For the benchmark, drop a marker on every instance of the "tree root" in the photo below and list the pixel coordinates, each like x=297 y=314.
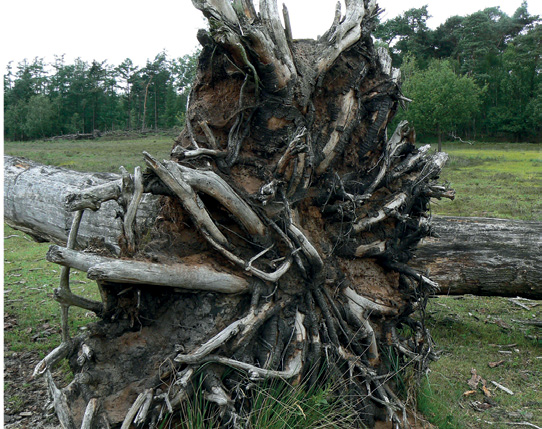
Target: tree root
x=338 y=333
x=324 y=327
x=281 y=249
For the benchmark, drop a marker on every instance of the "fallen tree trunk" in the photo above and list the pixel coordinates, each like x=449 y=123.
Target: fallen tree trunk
x=483 y=256
x=77 y=136
x=478 y=256
x=36 y=196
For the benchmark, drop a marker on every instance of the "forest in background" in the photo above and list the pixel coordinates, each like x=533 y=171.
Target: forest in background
x=474 y=77
x=43 y=100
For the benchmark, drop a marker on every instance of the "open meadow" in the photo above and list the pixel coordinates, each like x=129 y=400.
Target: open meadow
x=479 y=334
x=502 y=180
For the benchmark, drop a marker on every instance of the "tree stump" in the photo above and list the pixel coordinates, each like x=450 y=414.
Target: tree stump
x=287 y=219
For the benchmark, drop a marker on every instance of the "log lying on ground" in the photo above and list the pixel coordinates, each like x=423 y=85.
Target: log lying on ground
x=478 y=256
x=36 y=201
x=484 y=256
x=78 y=136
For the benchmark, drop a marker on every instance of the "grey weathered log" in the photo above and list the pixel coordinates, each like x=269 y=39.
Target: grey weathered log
x=484 y=256
x=35 y=199
x=480 y=256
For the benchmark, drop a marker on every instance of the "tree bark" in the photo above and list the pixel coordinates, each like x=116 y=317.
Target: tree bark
x=478 y=256
x=482 y=256
x=36 y=199
x=284 y=185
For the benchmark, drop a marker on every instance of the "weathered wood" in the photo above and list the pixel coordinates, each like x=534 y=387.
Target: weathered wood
x=56 y=356
x=81 y=261
x=64 y=288
x=484 y=256
x=213 y=185
x=292 y=367
x=60 y=403
x=382 y=214
x=185 y=276
x=77 y=136
x=170 y=175
x=35 y=198
x=90 y=414
x=219 y=339
x=178 y=275
x=343 y=33
x=132 y=413
x=92 y=198
x=134 y=199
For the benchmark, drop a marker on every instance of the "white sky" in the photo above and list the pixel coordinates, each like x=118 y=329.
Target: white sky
x=113 y=30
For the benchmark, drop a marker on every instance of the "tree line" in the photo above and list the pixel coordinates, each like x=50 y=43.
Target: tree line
x=475 y=77
x=43 y=100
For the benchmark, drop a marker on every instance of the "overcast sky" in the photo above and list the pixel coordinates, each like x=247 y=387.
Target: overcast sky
x=113 y=30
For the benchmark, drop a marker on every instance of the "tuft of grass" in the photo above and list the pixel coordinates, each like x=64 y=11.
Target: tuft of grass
x=278 y=404
x=15 y=403
x=197 y=412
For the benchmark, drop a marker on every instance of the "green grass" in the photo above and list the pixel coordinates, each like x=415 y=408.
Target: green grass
x=280 y=405
x=32 y=316
x=93 y=155
x=276 y=404
x=493 y=180
x=471 y=332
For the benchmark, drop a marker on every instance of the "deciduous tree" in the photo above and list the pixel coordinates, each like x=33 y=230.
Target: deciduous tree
x=442 y=99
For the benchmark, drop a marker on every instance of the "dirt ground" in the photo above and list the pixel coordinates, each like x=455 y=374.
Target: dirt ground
x=25 y=399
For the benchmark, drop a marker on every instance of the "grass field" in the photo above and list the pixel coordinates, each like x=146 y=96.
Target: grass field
x=472 y=333
x=501 y=180
x=494 y=180
x=93 y=155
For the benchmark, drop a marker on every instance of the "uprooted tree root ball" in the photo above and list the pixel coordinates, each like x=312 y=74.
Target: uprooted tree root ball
x=280 y=249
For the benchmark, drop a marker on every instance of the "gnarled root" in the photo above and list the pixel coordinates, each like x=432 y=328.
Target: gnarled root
x=321 y=329
x=346 y=342
x=281 y=248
